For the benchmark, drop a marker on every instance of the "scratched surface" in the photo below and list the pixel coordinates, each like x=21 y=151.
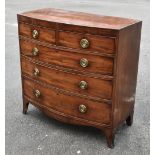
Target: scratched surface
x=36 y=134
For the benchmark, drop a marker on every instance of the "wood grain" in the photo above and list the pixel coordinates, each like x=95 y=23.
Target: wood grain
x=44 y=34
x=79 y=18
x=70 y=82
x=126 y=71
x=111 y=75
x=97 y=64
x=97 y=43
x=97 y=112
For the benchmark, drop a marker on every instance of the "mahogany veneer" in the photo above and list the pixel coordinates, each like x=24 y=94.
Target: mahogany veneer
x=80 y=68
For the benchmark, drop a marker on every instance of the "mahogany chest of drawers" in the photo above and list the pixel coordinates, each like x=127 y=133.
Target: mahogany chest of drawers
x=80 y=68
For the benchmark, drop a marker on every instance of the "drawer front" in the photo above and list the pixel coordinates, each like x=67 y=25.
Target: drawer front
x=70 y=105
x=76 y=61
x=37 y=33
x=87 y=42
x=68 y=81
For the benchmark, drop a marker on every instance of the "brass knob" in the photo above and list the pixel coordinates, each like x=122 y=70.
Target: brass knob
x=84 y=62
x=37 y=93
x=35 y=34
x=36 y=72
x=82 y=108
x=84 y=43
x=83 y=85
x=35 y=51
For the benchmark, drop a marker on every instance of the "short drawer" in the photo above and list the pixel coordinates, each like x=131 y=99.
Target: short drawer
x=76 y=83
x=87 y=42
x=69 y=105
x=37 y=33
x=76 y=61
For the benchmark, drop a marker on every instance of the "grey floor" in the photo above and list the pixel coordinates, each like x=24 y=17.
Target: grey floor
x=36 y=134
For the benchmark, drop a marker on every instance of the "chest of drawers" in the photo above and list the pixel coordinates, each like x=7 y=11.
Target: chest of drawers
x=80 y=68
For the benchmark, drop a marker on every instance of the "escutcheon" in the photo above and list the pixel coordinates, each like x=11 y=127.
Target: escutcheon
x=35 y=34
x=84 y=43
x=83 y=84
x=37 y=93
x=36 y=72
x=82 y=108
x=35 y=51
x=84 y=62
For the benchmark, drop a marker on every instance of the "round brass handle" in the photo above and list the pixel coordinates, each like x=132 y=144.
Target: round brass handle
x=35 y=51
x=84 y=62
x=84 y=43
x=82 y=108
x=35 y=34
x=36 y=72
x=83 y=85
x=37 y=93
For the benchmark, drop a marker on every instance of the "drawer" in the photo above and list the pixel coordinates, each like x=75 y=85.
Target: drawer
x=87 y=42
x=80 y=83
x=69 y=105
x=76 y=61
x=37 y=33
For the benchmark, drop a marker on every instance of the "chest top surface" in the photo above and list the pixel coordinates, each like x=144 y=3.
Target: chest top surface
x=79 y=18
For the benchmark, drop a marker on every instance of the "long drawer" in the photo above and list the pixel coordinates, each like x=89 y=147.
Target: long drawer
x=70 y=105
x=76 y=61
x=80 y=83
